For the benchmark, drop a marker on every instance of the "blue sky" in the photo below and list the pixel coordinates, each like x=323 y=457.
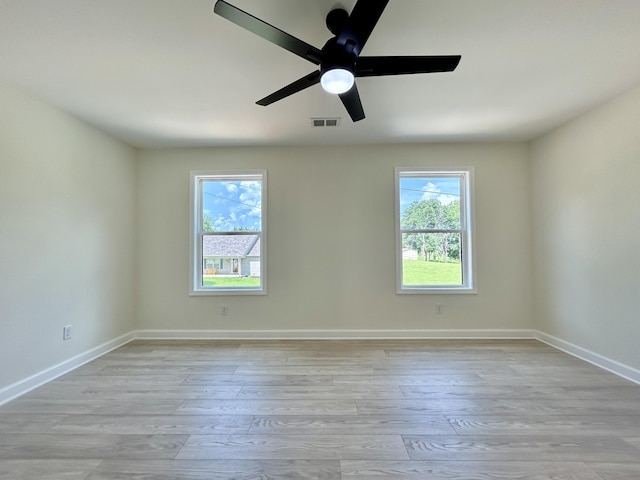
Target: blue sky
x=446 y=190
x=237 y=204
x=233 y=204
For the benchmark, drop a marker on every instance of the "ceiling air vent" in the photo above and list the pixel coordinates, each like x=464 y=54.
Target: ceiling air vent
x=325 y=122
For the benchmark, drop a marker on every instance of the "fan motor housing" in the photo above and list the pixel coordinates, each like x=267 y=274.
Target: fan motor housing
x=337 y=56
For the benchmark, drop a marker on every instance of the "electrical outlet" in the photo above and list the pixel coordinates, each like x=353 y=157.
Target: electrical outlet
x=66 y=332
x=224 y=310
x=439 y=309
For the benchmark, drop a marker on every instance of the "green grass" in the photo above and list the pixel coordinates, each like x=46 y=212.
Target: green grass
x=221 y=281
x=415 y=272
x=418 y=272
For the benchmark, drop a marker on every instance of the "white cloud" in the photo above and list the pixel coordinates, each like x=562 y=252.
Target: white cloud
x=431 y=191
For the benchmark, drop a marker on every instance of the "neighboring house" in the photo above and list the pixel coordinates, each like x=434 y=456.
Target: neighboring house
x=409 y=254
x=231 y=255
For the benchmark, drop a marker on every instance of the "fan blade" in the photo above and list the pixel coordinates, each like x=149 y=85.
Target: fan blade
x=361 y=22
x=351 y=101
x=268 y=32
x=378 y=66
x=295 y=87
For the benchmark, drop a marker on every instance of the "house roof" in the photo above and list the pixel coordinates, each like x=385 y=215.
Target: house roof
x=231 y=246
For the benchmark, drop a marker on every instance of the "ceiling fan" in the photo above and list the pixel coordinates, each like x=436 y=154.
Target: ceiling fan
x=339 y=60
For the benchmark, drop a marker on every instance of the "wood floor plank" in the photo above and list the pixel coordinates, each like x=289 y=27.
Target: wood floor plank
x=563 y=380
x=595 y=392
x=11 y=423
x=165 y=369
x=468 y=378
x=119 y=380
x=267 y=407
x=546 y=368
x=427 y=368
x=482 y=391
x=75 y=406
x=154 y=424
x=492 y=406
x=405 y=378
x=608 y=425
x=258 y=380
x=350 y=425
x=197 y=361
x=137 y=392
x=218 y=470
x=421 y=470
x=60 y=446
x=292 y=447
x=319 y=393
x=305 y=370
x=67 y=469
x=316 y=358
x=616 y=471
x=557 y=448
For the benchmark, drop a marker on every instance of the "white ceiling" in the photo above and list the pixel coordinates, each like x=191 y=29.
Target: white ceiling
x=158 y=73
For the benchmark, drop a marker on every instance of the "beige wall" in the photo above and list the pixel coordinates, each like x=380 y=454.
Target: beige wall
x=587 y=230
x=331 y=241
x=67 y=226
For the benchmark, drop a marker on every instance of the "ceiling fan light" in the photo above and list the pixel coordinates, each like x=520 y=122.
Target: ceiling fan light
x=337 y=80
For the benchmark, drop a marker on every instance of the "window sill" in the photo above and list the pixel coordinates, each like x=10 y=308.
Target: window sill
x=436 y=291
x=218 y=292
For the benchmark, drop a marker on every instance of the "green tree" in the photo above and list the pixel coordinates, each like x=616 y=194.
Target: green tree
x=421 y=214
x=432 y=214
x=453 y=222
x=207 y=223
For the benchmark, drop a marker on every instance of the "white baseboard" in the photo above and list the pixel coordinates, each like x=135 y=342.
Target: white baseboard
x=23 y=386
x=596 y=359
x=332 y=334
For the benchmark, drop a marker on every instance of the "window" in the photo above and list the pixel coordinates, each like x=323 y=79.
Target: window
x=228 y=244
x=434 y=230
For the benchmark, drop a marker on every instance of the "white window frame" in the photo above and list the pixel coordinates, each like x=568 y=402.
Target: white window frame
x=467 y=230
x=196 y=231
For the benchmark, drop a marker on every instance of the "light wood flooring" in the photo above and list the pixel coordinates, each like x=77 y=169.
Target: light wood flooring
x=437 y=409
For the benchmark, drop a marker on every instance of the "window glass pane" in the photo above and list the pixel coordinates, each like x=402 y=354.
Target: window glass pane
x=431 y=259
x=430 y=203
x=231 y=261
x=228 y=252
x=231 y=205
